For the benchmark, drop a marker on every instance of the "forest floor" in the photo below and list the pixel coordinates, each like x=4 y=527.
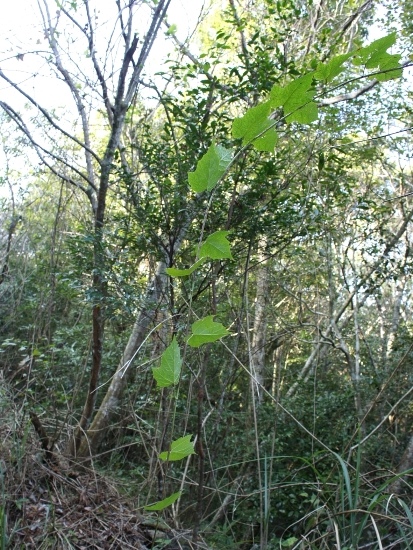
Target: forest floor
x=48 y=504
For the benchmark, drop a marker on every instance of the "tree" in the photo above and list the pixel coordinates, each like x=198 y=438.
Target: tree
x=115 y=100
x=280 y=165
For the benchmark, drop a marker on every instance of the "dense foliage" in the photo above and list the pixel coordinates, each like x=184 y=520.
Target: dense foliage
x=214 y=303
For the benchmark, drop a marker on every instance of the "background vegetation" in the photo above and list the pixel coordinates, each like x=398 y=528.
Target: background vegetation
x=301 y=417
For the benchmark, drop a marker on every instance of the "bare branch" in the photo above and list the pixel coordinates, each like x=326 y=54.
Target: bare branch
x=353 y=18
x=51 y=121
x=357 y=93
x=88 y=31
x=126 y=31
x=50 y=32
x=158 y=16
x=39 y=149
x=349 y=95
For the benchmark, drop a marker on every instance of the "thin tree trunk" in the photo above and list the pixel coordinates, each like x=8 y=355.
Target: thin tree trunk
x=400 y=293
x=93 y=436
x=406 y=463
x=99 y=285
x=259 y=336
x=334 y=322
x=12 y=227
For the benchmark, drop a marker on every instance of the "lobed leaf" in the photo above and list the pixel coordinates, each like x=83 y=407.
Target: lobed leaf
x=387 y=65
x=375 y=55
x=328 y=71
x=296 y=99
x=256 y=121
x=170 y=369
x=210 y=168
x=180 y=448
x=216 y=246
x=374 y=50
x=206 y=330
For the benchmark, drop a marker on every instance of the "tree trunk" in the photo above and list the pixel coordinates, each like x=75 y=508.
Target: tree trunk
x=406 y=463
x=91 y=438
x=257 y=353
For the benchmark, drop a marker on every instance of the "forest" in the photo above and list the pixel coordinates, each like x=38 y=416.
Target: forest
x=206 y=252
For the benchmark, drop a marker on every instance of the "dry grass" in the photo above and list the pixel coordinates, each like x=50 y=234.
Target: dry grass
x=47 y=504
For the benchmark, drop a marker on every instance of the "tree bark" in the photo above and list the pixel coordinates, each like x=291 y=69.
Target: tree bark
x=406 y=463
x=93 y=436
x=96 y=181
x=259 y=335
x=337 y=319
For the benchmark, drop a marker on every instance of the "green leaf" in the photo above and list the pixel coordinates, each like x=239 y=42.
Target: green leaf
x=296 y=100
x=391 y=62
x=375 y=56
x=327 y=71
x=161 y=504
x=180 y=448
x=255 y=121
x=210 y=168
x=171 y=30
x=174 y=272
x=374 y=50
x=170 y=369
x=305 y=115
x=216 y=246
x=206 y=330
x=321 y=161
x=289 y=542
